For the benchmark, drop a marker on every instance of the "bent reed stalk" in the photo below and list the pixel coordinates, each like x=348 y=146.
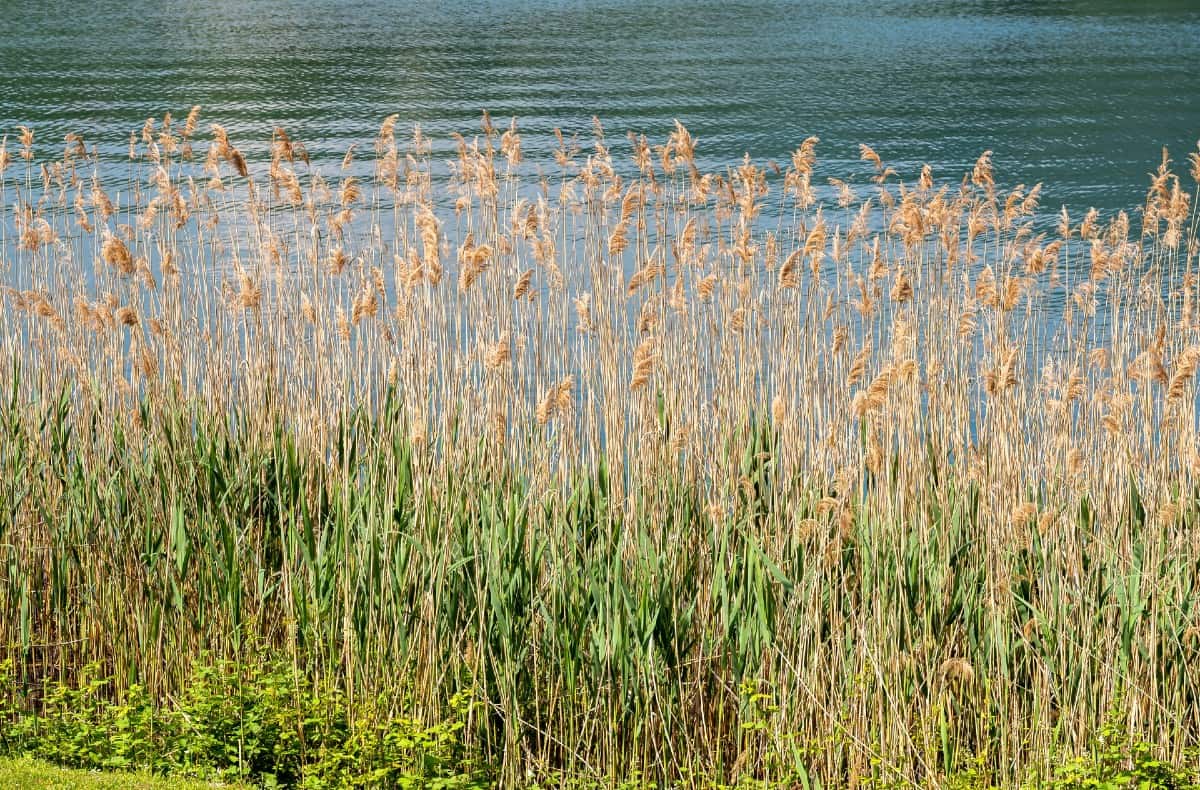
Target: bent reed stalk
x=681 y=473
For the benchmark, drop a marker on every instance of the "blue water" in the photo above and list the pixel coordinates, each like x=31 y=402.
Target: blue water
x=1079 y=95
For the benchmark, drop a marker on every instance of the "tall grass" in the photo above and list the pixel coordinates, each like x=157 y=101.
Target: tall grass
x=745 y=473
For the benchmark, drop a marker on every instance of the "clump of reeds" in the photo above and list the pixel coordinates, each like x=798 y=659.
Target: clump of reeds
x=608 y=447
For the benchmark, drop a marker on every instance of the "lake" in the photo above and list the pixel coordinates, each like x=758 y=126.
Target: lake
x=1079 y=95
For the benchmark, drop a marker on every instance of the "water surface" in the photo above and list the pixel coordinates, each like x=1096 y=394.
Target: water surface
x=1079 y=95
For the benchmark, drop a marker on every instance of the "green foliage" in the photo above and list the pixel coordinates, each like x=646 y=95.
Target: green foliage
x=1116 y=761
x=1119 y=761
x=778 y=632
x=260 y=723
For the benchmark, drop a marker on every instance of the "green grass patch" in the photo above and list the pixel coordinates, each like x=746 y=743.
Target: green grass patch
x=35 y=775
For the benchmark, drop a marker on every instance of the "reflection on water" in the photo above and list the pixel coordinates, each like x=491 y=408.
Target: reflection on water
x=1080 y=95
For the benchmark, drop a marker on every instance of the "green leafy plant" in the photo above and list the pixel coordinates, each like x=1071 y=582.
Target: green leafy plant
x=256 y=722
x=1119 y=761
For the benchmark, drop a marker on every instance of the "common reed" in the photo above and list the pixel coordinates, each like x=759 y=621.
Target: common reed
x=742 y=473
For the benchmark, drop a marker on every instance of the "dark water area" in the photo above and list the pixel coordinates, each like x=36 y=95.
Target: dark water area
x=1079 y=95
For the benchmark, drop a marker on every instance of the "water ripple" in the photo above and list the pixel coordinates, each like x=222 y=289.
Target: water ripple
x=1081 y=96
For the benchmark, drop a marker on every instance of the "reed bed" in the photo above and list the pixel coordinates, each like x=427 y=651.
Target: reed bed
x=749 y=473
